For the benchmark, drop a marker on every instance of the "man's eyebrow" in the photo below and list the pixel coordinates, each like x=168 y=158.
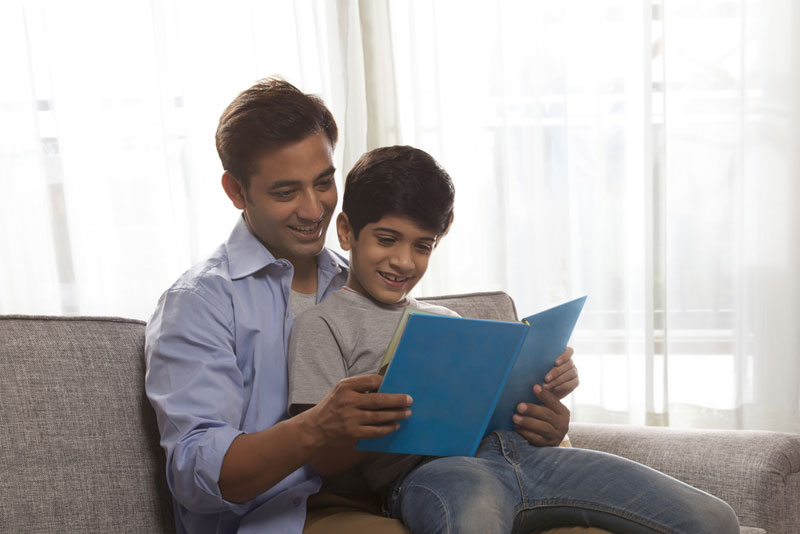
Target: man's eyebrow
x=294 y=183
x=327 y=172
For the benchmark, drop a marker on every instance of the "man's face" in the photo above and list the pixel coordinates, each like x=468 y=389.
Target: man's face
x=388 y=258
x=290 y=199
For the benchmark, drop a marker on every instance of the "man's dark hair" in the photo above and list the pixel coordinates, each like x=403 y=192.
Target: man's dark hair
x=399 y=180
x=270 y=114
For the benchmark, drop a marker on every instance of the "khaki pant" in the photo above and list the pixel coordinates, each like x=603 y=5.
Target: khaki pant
x=332 y=514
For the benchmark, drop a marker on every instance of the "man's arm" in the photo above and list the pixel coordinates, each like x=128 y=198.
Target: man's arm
x=255 y=462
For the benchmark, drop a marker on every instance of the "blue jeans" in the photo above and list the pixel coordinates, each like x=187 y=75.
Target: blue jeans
x=512 y=486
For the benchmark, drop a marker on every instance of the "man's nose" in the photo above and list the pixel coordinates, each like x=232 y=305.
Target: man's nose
x=310 y=208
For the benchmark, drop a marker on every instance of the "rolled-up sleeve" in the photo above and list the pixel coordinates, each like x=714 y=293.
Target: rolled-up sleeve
x=196 y=389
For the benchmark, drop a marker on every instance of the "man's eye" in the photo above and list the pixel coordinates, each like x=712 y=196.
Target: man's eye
x=283 y=195
x=326 y=184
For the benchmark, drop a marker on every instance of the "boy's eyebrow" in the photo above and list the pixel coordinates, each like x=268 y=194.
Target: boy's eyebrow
x=395 y=232
x=290 y=183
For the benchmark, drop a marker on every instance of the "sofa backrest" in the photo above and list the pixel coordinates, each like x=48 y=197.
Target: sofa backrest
x=79 y=446
x=78 y=440
x=493 y=305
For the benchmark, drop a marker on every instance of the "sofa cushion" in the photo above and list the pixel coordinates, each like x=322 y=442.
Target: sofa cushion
x=75 y=457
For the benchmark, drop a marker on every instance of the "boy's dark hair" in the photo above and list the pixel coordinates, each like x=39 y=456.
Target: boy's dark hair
x=268 y=115
x=399 y=180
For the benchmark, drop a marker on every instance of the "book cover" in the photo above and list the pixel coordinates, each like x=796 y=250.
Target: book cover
x=467 y=376
x=454 y=369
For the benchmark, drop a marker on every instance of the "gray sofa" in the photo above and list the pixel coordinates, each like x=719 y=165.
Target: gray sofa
x=79 y=445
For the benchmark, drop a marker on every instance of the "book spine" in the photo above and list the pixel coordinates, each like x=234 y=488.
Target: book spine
x=499 y=392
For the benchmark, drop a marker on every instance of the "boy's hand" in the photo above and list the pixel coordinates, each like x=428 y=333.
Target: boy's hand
x=563 y=377
x=542 y=425
x=352 y=410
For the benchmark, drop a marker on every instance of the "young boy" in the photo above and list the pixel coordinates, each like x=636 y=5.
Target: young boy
x=398 y=204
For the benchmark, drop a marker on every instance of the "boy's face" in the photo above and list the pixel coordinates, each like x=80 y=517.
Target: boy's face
x=290 y=200
x=388 y=258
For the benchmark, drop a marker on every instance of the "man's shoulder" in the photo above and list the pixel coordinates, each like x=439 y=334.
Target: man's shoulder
x=210 y=273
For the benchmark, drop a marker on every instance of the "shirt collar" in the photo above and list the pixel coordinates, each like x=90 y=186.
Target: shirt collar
x=247 y=255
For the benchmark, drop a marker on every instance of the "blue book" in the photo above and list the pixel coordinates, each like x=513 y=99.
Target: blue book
x=467 y=376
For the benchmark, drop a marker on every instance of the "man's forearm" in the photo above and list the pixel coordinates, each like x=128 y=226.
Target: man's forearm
x=256 y=462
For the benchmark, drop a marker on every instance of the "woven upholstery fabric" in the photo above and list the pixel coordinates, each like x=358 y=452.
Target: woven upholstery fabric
x=493 y=305
x=78 y=438
x=79 y=443
x=757 y=473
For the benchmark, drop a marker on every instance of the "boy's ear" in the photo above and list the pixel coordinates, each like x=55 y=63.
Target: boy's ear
x=233 y=188
x=344 y=231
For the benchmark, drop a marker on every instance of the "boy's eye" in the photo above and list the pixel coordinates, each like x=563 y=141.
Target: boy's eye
x=424 y=247
x=385 y=240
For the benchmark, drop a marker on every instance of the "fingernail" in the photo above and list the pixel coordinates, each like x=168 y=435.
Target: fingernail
x=522 y=408
x=409 y=399
x=517 y=419
x=548 y=378
x=537 y=388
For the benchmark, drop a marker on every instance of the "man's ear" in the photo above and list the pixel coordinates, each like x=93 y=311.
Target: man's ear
x=344 y=231
x=233 y=188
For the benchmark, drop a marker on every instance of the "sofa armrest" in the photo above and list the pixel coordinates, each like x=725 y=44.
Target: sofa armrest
x=756 y=472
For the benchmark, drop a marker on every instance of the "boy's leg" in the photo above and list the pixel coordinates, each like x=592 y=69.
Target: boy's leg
x=563 y=486
x=511 y=486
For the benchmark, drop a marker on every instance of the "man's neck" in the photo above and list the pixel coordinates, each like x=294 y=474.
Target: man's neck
x=305 y=276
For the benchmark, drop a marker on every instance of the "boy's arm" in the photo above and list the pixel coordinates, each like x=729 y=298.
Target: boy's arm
x=547 y=425
x=316 y=366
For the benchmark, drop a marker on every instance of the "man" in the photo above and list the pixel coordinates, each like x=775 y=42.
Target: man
x=216 y=344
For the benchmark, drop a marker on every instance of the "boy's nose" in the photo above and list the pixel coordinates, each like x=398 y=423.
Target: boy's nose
x=403 y=262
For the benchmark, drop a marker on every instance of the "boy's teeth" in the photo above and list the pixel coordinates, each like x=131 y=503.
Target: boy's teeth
x=393 y=278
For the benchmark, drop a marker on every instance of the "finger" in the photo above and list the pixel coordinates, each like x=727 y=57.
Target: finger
x=384 y=401
x=538 y=432
x=537 y=439
x=380 y=417
x=549 y=400
x=563 y=377
x=363 y=383
x=565 y=356
x=560 y=370
x=376 y=431
x=567 y=387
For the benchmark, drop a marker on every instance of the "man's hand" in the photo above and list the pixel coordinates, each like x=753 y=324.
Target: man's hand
x=563 y=377
x=542 y=425
x=352 y=410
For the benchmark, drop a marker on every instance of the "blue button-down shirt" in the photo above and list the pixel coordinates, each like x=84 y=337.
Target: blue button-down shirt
x=216 y=367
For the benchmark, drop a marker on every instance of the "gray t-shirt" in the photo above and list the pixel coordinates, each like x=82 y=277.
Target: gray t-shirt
x=346 y=335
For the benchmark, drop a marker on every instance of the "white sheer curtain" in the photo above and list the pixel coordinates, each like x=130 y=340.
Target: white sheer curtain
x=639 y=152
x=643 y=153
x=109 y=178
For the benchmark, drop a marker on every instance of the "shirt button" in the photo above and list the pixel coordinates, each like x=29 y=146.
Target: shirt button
x=296 y=501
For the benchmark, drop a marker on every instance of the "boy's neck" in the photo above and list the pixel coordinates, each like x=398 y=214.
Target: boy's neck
x=402 y=304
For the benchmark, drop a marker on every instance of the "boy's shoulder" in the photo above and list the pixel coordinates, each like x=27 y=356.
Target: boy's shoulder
x=432 y=308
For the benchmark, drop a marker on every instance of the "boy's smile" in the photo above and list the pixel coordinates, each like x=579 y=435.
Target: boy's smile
x=389 y=257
